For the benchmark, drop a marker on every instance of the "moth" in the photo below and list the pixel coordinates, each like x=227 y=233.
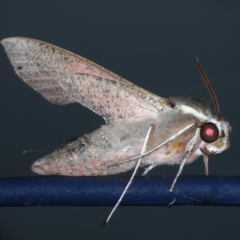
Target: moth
x=142 y=129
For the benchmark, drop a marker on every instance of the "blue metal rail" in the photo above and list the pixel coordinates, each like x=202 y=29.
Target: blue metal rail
x=105 y=191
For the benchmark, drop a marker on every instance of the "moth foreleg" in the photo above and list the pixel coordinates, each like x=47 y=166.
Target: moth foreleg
x=148 y=169
x=133 y=175
x=189 y=150
x=205 y=160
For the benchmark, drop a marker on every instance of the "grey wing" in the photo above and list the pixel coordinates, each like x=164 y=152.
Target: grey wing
x=63 y=77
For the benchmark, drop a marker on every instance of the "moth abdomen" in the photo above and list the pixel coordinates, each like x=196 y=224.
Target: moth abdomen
x=89 y=155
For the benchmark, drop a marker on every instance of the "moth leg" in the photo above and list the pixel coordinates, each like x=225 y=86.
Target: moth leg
x=160 y=145
x=178 y=174
x=205 y=160
x=189 y=150
x=133 y=175
x=148 y=169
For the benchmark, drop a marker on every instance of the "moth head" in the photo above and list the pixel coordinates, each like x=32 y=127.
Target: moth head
x=215 y=136
x=214 y=133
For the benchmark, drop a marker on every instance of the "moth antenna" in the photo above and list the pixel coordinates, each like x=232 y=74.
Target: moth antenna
x=210 y=89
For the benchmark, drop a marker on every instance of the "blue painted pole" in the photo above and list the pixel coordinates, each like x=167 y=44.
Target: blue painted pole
x=105 y=191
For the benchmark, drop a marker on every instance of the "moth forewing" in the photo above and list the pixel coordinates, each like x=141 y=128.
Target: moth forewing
x=52 y=72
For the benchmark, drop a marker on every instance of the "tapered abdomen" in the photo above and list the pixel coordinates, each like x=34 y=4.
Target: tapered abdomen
x=99 y=153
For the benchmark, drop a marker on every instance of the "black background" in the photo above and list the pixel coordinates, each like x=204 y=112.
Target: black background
x=154 y=45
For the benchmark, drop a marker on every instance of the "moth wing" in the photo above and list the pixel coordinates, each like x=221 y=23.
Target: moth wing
x=62 y=77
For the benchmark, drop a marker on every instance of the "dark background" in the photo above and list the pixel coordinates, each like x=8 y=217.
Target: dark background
x=154 y=45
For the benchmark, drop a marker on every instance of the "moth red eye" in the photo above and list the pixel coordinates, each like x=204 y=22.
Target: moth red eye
x=209 y=132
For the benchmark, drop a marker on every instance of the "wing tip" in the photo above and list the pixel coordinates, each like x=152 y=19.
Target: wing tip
x=10 y=40
x=6 y=41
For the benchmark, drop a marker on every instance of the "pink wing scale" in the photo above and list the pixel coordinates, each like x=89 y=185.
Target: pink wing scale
x=91 y=70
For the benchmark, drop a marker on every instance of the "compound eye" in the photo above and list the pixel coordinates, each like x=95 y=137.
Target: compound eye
x=209 y=132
